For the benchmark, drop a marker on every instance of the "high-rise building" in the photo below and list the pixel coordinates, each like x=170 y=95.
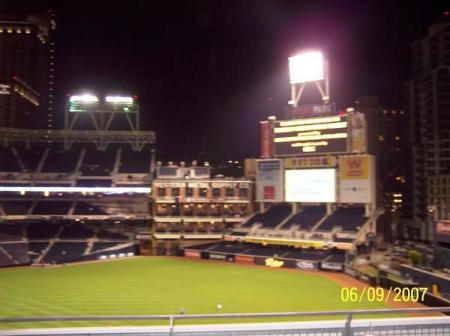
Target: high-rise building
x=428 y=106
x=27 y=79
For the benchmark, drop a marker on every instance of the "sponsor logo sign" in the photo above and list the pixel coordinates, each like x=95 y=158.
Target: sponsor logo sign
x=310 y=162
x=217 y=256
x=192 y=254
x=356 y=179
x=306 y=265
x=271 y=262
x=331 y=266
x=269 y=180
x=443 y=227
x=244 y=259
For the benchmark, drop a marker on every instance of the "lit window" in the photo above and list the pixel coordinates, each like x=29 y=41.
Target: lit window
x=27 y=30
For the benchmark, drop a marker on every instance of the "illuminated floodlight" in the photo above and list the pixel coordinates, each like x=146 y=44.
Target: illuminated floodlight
x=84 y=98
x=306 y=67
x=119 y=100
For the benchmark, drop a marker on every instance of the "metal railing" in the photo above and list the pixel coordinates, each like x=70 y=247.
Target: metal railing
x=340 y=327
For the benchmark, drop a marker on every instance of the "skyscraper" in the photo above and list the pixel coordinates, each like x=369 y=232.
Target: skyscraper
x=27 y=58
x=428 y=106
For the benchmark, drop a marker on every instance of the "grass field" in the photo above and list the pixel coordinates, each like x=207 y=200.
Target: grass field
x=159 y=285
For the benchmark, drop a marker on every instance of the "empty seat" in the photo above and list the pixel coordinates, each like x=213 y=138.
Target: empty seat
x=75 y=231
x=306 y=218
x=60 y=160
x=349 y=219
x=62 y=252
x=16 y=207
x=42 y=230
x=52 y=208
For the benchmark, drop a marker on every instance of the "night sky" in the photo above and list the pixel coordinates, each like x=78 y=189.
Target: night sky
x=206 y=72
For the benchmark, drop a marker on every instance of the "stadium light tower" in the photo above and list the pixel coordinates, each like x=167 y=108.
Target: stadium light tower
x=308 y=67
x=101 y=113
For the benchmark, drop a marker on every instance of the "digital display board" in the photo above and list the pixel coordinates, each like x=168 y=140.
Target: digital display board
x=310 y=185
x=306 y=136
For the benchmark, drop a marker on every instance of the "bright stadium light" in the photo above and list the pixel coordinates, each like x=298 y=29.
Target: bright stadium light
x=306 y=67
x=84 y=98
x=119 y=100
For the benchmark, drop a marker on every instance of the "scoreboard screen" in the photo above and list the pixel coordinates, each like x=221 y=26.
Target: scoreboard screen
x=306 y=136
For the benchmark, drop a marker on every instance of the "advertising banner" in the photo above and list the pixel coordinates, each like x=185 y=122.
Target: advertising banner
x=273 y=262
x=266 y=139
x=443 y=227
x=269 y=181
x=306 y=265
x=311 y=110
x=244 y=259
x=357 y=180
x=310 y=162
x=331 y=266
x=192 y=254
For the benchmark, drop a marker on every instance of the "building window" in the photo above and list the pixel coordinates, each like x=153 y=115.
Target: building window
x=175 y=192
x=161 y=192
x=203 y=192
x=229 y=192
x=216 y=192
x=189 y=192
x=243 y=192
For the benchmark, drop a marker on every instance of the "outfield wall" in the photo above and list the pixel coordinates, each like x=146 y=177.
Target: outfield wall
x=299 y=264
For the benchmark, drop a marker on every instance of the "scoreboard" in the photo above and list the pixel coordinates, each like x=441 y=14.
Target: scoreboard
x=306 y=136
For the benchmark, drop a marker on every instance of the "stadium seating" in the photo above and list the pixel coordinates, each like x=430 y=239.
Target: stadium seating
x=76 y=231
x=349 y=219
x=29 y=158
x=5 y=260
x=61 y=161
x=18 y=251
x=275 y=215
x=42 y=230
x=52 y=208
x=135 y=162
x=313 y=255
x=62 y=252
x=10 y=232
x=16 y=207
x=106 y=235
x=306 y=218
x=336 y=258
x=8 y=162
x=84 y=208
x=98 y=163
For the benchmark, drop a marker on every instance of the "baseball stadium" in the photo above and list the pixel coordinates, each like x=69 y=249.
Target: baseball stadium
x=99 y=237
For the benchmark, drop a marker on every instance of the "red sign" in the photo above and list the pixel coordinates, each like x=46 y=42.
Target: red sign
x=266 y=139
x=244 y=259
x=443 y=227
x=269 y=192
x=192 y=254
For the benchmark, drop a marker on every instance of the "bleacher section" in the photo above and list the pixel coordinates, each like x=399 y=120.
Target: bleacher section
x=8 y=162
x=61 y=161
x=135 y=162
x=64 y=241
x=52 y=208
x=98 y=163
x=306 y=218
x=16 y=207
x=84 y=208
x=349 y=219
x=271 y=217
x=62 y=252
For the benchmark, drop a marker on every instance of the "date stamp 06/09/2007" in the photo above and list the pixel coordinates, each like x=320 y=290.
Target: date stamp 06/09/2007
x=379 y=294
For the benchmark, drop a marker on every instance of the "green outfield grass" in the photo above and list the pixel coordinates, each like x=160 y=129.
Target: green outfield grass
x=159 y=285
